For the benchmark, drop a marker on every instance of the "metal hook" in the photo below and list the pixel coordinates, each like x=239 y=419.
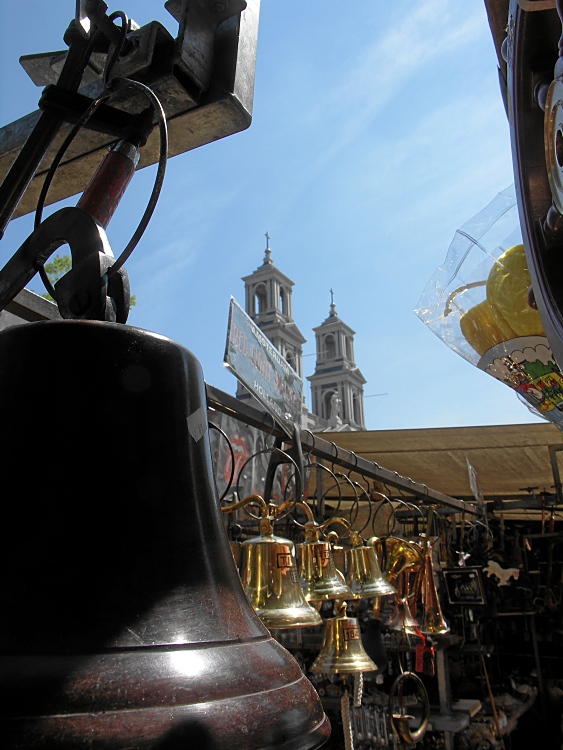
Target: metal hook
x=212 y=425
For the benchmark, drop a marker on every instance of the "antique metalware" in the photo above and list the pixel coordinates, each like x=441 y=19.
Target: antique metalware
x=125 y=623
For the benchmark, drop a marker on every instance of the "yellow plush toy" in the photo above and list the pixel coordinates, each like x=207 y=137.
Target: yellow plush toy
x=507 y=294
x=505 y=314
x=479 y=328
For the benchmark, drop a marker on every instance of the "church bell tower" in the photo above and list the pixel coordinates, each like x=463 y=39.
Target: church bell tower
x=268 y=302
x=337 y=385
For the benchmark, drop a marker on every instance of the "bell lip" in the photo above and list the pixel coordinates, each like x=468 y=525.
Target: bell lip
x=343 y=669
x=310 y=588
x=374 y=589
x=310 y=741
x=302 y=619
x=443 y=631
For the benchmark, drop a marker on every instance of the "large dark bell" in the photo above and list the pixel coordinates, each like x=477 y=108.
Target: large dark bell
x=124 y=623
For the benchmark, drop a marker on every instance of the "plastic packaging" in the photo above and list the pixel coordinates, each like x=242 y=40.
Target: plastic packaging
x=478 y=303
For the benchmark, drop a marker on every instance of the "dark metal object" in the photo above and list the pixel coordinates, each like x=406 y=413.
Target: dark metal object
x=532 y=51
x=199 y=20
x=86 y=291
x=39 y=139
x=97 y=287
x=125 y=624
x=195 y=115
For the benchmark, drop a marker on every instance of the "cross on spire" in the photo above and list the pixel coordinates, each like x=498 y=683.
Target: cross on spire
x=268 y=252
x=332 y=305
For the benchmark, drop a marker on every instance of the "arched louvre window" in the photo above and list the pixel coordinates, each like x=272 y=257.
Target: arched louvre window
x=260 y=300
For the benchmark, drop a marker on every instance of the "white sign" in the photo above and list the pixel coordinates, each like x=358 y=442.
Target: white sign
x=259 y=366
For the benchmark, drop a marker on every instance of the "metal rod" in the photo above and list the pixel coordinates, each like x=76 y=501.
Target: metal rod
x=227 y=404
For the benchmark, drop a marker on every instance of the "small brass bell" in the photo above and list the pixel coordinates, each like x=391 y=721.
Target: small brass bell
x=342 y=651
x=320 y=579
x=270 y=578
x=402 y=618
x=363 y=574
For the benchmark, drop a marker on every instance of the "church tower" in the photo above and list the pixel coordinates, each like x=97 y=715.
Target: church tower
x=337 y=386
x=268 y=302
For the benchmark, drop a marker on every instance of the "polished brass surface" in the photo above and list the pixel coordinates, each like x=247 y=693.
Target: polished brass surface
x=320 y=579
x=363 y=574
x=342 y=651
x=270 y=578
x=401 y=721
x=402 y=618
x=433 y=622
x=396 y=555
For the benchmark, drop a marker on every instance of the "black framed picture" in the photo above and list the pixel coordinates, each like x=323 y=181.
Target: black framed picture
x=464 y=585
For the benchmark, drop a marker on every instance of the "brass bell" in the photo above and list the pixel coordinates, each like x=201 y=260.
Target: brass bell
x=402 y=618
x=363 y=574
x=342 y=651
x=124 y=620
x=320 y=579
x=270 y=578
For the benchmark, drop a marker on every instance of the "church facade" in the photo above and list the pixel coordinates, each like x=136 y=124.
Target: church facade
x=337 y=395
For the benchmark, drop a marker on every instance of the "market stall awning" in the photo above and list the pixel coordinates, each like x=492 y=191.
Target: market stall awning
x=507 y=458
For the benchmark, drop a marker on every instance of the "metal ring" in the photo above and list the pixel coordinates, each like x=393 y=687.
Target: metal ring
x=336 y=482
x=251 y=458
x=356 y=502
x=400 y=722
x=119 y=84
x=230 y=445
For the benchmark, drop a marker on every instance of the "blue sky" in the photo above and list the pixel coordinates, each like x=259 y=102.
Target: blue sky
x=378 y=129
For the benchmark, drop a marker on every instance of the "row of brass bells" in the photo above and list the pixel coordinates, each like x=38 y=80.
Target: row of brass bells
x=124 y=622
x=342 y=651
x=270 y=578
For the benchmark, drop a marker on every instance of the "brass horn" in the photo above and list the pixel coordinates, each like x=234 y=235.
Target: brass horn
x=125 y=623
x=342 y=651
x=320 y=578
x=433 y=622
x=270 y=578
x=396 y=555
x=401 y=721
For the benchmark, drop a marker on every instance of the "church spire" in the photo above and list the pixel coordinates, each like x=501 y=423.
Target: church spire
x=332 y=313
x=337 y=386
x=268 y=253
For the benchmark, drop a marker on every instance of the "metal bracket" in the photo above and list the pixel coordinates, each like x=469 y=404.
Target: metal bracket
x=206 y=92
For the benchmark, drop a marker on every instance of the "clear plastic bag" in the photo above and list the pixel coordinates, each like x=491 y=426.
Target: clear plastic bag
x=477 y=303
